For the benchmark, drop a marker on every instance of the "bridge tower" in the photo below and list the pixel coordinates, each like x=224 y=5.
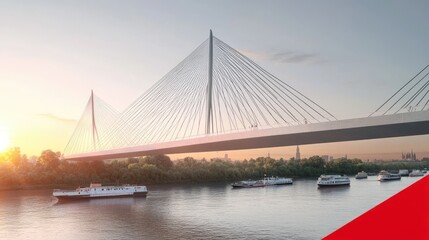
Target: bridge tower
x=210 y=85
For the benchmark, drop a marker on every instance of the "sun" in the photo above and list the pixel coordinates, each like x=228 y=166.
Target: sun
x=4 y=140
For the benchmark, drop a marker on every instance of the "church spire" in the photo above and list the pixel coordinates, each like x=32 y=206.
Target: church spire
x=298 y=154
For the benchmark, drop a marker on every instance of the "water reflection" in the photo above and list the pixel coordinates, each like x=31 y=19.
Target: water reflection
x=336 y=189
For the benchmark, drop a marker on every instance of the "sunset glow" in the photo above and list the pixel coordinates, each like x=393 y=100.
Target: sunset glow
x=347 y=62
x=4 y=140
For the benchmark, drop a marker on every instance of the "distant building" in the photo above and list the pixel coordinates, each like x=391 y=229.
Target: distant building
x=226 y=158
x=326 y=157
x=298 y=154
x=410 y=156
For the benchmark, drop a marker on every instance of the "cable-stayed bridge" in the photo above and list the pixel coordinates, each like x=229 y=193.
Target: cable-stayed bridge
x=218 y=99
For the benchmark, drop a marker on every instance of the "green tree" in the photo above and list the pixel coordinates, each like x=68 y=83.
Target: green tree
x=49 y=160
x=14 y=156
x=160 y=161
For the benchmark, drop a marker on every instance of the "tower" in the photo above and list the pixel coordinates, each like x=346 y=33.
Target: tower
x=298 y=154
x=210 y=86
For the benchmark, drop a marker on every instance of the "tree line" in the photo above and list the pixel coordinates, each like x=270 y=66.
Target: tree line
x=16 y=170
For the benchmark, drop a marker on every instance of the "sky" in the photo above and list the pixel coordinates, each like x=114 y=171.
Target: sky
x=348 y=56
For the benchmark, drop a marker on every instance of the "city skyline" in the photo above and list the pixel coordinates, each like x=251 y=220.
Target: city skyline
x=291 y=153
x=50 y=67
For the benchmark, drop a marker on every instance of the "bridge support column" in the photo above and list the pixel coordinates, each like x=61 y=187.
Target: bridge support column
x=210 y=86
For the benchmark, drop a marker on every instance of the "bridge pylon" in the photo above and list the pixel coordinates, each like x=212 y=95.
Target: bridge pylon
x=210 y=85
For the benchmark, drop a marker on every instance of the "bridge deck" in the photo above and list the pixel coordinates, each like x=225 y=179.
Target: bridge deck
x=397 y=125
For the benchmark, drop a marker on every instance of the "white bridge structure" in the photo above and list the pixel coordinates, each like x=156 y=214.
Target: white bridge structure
x=218 y=99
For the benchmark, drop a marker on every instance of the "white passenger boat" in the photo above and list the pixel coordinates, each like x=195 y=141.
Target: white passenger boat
x=387 y=176
x=416 y=173
x=99 y=191
x=361 y=175
x=333 y=180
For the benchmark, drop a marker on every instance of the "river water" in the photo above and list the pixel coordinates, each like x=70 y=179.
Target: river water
x=195 y=211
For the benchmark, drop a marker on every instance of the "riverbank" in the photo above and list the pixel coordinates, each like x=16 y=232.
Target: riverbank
x=51 y=172
x=34 y=187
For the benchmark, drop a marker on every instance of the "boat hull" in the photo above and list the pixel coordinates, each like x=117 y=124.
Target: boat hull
x=389 y=179
x=247 y=186
x=332 y=185
x=361 y=177
x=88 y=196
x=80 y=197
x=241 y=186
x=286 y=183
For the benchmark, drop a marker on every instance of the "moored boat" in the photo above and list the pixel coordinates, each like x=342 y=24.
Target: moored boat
x=267 y=181
x=98 y=191
x=403 y=172
x=333 y=180
x=416 y=173
x=246 y=184
x=277 y=181
x=361 y=175
x=387 y=176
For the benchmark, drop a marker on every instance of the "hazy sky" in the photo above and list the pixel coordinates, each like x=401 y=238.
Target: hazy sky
x=348 y=56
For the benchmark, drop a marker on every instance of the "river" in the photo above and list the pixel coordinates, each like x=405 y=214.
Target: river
x=195 y=211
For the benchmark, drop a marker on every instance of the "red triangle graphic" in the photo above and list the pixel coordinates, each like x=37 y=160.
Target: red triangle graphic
x=403 y=216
